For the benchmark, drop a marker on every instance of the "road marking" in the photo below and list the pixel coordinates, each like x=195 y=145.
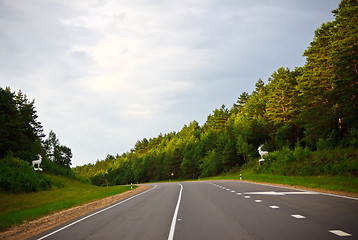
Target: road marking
x=263 y=193
x=298 y=216
x=227 y=189
x=172 y=227
x=258 y=201
x=297 y=193
x=247 y=197
x=340 y=233
x=238 y=193
x=279 y=193
x=321 y=193
x=232 y=191
x=95 y=213
x=274 y=207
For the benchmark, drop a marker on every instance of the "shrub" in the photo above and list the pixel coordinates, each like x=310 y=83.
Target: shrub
x=18 y=176
x=56 y=169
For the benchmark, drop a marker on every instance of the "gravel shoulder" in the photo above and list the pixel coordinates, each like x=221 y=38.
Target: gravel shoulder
x=34 y=227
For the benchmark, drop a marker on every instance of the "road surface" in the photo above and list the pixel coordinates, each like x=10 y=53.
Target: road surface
x=218 y=210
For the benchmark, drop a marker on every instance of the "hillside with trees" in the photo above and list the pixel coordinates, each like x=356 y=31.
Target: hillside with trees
x=21 y=141
x=306 y=117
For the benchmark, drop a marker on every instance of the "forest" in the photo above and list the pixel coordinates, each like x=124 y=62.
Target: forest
x=307 y=118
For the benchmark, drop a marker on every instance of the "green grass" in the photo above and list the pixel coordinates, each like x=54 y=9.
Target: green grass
x=16 y=208
x=333 y=183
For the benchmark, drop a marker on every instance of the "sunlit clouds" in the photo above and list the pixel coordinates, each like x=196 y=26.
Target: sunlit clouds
x=105 y=74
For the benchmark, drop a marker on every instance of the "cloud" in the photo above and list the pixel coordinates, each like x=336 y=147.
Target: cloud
x=108 y=73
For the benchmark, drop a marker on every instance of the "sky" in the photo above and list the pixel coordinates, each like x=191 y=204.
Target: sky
x=107 y=73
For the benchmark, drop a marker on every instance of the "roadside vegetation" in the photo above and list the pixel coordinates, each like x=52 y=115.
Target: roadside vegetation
x=22 y=141
x=66 y=193
x=26 y=194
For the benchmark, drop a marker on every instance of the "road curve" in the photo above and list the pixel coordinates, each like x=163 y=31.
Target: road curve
x=218 y=210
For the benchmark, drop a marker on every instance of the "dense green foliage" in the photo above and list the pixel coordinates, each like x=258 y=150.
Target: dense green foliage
x=297 y=112
x=303 y=162
x=21 y=140
x=20 y=132
x=18 y=176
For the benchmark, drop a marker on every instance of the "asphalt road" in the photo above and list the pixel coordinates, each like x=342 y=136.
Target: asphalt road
x=218 y=210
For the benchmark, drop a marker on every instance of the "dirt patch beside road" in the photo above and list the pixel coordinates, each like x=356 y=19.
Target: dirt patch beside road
x=37 y=226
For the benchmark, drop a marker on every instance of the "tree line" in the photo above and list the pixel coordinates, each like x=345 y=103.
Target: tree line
x=312 y=107
x=22 y=138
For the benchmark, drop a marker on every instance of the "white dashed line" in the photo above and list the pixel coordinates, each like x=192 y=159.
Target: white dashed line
x=238 y=193
x=274 y=207
x=258 y=201
x=233 y=191
x=247 y=197
x=298 y=216
x=340 y=233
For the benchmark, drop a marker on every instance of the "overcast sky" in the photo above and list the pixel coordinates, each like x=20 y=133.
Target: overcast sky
x=105 y=74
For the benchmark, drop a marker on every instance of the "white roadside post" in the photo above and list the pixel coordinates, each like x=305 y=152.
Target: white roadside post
x=131 y=186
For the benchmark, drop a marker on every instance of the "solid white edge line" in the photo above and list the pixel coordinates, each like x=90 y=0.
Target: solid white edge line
x=95 y=213
x=327 y=194
x=174 y=220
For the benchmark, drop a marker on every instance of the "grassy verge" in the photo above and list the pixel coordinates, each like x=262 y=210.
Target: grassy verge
x=332 y=183
x=16 y=208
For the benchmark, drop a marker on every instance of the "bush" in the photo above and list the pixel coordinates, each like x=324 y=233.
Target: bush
x=303 y=162
x=56 y=169
x=18 y=176
x=99 y=179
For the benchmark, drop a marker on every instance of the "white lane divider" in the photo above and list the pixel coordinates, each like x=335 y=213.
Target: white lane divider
x=174 y=220
x=340 y=233
x=274 y=207
x=95 y=213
